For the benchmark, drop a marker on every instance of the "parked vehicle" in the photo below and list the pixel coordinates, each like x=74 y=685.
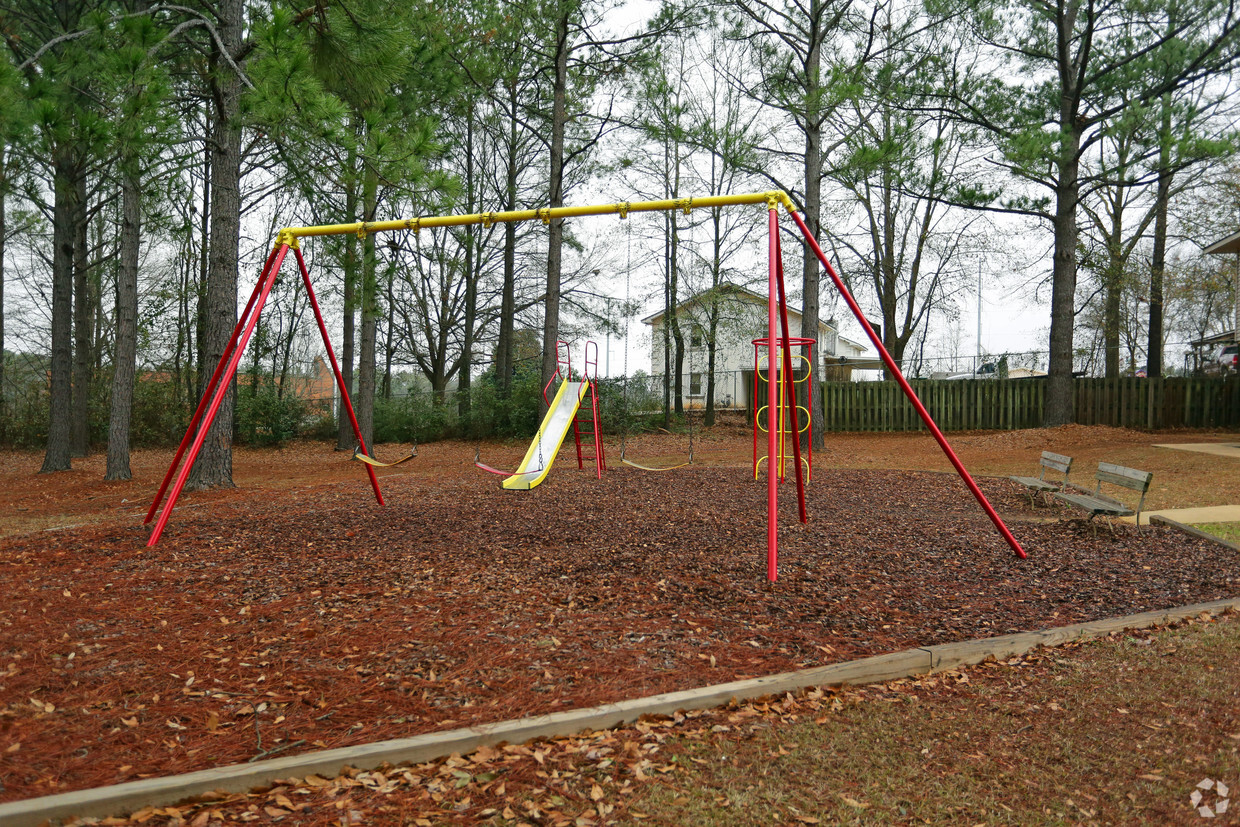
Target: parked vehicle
x=1226 y=360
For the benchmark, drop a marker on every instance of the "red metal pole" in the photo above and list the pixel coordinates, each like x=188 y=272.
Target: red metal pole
x=772 y=492
x=217 y=398
x=344 y=392
x=209 y=389
x=908 y=390
x=789 y=383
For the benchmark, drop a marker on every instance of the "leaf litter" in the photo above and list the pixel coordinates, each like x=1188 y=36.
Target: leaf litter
x=266 y=628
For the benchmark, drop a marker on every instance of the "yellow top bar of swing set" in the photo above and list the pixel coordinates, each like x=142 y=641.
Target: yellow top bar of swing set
x=289 y=235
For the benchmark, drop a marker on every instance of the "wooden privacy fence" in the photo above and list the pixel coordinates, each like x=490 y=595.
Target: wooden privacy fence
x=1008 y=404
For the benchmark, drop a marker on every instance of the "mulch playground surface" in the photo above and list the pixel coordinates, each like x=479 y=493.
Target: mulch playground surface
x=312 y=619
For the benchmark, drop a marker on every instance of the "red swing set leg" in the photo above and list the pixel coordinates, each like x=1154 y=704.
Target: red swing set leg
x=217 y=388
x=331 y=354
x=209 y=391
x=895 y=372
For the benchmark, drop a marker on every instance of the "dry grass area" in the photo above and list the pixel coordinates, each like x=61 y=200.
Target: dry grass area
x=1227 y=531
x=1114 y=732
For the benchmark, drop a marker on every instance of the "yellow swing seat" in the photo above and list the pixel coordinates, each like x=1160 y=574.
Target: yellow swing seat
x=360 y=457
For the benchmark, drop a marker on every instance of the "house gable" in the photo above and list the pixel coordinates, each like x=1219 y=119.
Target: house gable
x=743 y=318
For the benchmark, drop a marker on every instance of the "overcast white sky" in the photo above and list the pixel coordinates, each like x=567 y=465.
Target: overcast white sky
x=1015 y=316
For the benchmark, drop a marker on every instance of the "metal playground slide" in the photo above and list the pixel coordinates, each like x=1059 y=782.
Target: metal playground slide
x=537 y=462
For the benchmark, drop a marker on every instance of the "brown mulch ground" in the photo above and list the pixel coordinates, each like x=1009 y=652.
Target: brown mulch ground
x=305 y=617
x=1084 y=733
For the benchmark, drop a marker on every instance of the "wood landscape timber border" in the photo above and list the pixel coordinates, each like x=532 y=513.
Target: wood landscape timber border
x=131 y=796
x=1159 y=519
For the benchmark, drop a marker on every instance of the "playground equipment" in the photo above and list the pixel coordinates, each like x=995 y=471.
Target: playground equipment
x=562 y=414
x=778 y=341
x=360 y=457
x=777 y=433
x=789 y=412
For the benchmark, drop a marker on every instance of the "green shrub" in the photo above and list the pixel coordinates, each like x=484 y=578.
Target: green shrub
x=26 y=412
x=321 y=427
x=414 y=418
x=267 y=418
x=157 y=418
x=492 y=415
x=630 y=405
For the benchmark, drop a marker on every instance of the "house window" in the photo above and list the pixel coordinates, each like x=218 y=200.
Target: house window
x=695 y=384
x=695 y=337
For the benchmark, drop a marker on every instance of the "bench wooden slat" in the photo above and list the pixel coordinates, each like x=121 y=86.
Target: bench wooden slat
x=1058 y=462
x=1127 y=477
x=1040 y=484
x=1098 y=503
x=1094 y=505
x=1036 y=484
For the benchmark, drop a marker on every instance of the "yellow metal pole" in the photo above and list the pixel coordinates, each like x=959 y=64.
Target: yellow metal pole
x=544 y=214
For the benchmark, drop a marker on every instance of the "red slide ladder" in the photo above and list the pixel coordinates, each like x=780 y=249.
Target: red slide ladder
x=586 y=423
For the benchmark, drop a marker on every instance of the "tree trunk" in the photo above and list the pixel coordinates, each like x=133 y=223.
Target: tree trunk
x=1154 y=347
x=257 y=346
x=471 y=280
x=1113 y=271
x=507 y=308
x=124 y=361
x=712 y=321
x=1059 y=403
x=708 y=418
x=813 y=212
x=214 y=465
x=389 y=336
x=885 y=261
x=507 y=312
x=365 y=401
x=64 y=212
x=178 y=352
x=555 y=240
x=83 y=310
x=673 y=290
x=203 y=369
x=1110 y=321
x=4 y=189
x=345 y=438
x=667 y=353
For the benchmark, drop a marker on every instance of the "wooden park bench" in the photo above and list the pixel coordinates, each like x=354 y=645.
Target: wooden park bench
x=1040 y=484
x=1098 y=503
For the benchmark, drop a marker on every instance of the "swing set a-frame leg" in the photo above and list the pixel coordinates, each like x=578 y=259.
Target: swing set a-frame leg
x=896 y=374
x=209 y=391
x=331 y=354
x=221 y=379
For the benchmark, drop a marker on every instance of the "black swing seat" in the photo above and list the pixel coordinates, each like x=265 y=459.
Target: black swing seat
x=360 y=457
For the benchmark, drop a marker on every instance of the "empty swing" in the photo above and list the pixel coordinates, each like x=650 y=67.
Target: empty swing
x=639 y=466
x=361 y=457
x=482 y=466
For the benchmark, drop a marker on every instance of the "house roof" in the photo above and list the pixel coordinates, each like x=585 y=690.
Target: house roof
x=733 y=289
x=1231 y=244
x=1226 y=337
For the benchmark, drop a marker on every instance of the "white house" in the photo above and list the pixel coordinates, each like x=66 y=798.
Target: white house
x=742 y=318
